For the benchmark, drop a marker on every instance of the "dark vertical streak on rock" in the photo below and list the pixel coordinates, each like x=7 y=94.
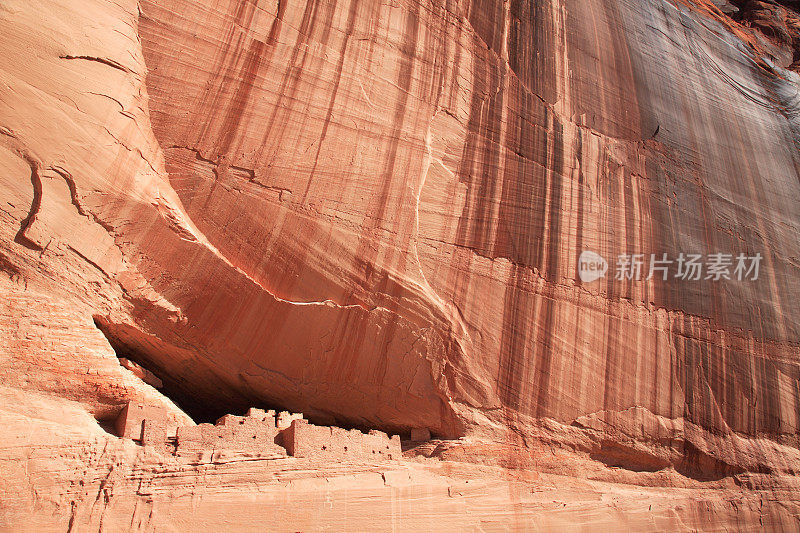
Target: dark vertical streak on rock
x=539 y=211
x=287 y=91
x=36 y=204
x=581 y=186
x=544 y=358
x=612 y=359
x=238 y=107
x=512 y=371
x=532 y=46
x=405 y=76
x=544 y=344
x=487 y=19
x=489 y=173
x=275 y=29
x=351 y=20
x=556 y=190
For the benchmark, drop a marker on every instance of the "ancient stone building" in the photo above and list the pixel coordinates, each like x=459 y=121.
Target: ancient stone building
x=258 y=432
x=285 y=418
x=255 y=432
x=302 y=439
x=143 y=422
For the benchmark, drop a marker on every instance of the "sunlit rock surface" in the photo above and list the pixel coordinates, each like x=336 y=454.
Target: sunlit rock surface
x=372 y=213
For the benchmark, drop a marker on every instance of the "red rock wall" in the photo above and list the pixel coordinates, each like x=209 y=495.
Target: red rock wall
x=433 y=175
x=373 y=213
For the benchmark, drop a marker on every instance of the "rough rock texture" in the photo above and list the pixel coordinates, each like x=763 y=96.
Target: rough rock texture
x=781 y=25
x=424 y=183
x=372 y=213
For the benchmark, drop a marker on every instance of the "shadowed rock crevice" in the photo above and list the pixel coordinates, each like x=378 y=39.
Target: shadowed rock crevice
x=629 y=457
x=150 y=353
x=686 y=459
x=703 y=466
x=193 y=392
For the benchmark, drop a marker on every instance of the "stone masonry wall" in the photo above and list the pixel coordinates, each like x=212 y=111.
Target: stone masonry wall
x=258 y=432
x=302 y=439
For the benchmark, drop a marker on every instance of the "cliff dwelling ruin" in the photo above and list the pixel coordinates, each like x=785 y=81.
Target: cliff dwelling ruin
x=260 y=432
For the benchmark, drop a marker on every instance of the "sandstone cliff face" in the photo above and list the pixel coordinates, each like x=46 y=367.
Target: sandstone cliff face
x=425 y=183
x=373 y=213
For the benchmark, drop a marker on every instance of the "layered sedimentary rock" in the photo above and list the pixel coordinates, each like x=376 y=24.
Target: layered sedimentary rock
x=431 y=179
x=373 y=213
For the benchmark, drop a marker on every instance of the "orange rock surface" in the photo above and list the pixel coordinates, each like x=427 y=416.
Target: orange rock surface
x=372 y=213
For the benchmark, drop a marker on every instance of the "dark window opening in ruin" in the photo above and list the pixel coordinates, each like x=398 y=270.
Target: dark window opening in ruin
x=107 y=426
x=106 y=420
